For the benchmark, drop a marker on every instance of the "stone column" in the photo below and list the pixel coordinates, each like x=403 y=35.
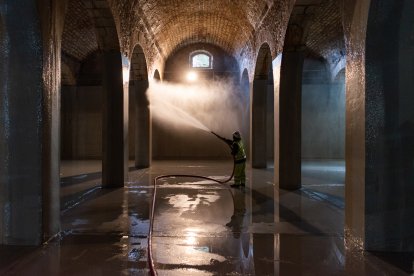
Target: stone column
x=290 y=112
x=114 y=123
x=355 y=16
x=29 y=123
x=52 y=28
x=380 y=127
x=142 y=125
x=389 y=130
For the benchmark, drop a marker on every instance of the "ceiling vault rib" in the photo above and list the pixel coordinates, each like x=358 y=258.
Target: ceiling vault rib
x=149 y=31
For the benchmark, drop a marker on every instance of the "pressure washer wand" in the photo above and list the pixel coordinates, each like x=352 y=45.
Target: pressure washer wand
x=218 y=136
x=215 y=134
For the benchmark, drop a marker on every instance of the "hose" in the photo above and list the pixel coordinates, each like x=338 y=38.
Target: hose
x=151 y=226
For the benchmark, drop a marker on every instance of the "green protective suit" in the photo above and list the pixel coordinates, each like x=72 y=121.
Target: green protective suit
x=239 y=154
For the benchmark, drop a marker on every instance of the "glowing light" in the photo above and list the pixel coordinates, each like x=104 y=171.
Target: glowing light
x=192 y=76
x=191 y=238
x=125 y=74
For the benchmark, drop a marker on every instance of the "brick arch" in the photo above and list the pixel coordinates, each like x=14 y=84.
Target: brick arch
x=156 y=76
x=263 y=62
x=139 y=124
x=338 y=68
x=325 y=33
x=67 y=74
x=139 y=68
x=229 y=24
x=195 y=31
x=88 y=29
x=244 y=80
x=339 y=76
x=79 y=38
x=91 y=42
x=104 y=23
x=316 y=28
x=262 y=123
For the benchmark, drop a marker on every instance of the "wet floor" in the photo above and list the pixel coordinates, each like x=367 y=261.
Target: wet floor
x=205 y=228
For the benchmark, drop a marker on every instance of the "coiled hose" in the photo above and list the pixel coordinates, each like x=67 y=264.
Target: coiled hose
x=151 y=226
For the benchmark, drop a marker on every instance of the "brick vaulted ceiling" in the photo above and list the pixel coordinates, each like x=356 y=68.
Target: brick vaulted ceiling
x=226 y=23
x=172 y=24
x=78 y=38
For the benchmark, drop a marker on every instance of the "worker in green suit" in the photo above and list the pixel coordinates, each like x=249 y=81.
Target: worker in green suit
x=239 y=154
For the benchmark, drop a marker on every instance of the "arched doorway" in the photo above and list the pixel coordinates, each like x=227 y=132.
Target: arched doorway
x=157 y=76
x=93 y=122
x=139 y=125
x=312 y=100
x=262 y=124
x=323 y=127
x=81 y=100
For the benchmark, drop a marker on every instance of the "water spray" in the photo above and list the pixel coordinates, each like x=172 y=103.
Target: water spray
x=215 y=105
x=190 y=105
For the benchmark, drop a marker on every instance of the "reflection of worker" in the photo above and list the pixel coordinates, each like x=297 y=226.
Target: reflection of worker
x=236 y=222
x=239 y=154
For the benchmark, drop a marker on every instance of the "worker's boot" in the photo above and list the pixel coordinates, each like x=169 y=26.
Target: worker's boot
x=235 y=185
x=241 y=185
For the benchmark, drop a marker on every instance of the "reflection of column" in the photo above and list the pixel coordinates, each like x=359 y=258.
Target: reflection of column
x=270 y=121
x=290 y=252
x=142 y=124
x=276 y=252
x=276 y=219
x=263 y=213
x=259 y=123
x=114 y=129
x=263 y=254
x=290 y=120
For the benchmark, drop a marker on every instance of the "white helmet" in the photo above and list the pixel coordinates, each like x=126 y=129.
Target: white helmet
x=236 y=135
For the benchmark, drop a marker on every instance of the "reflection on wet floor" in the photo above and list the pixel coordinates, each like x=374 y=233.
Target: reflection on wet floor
x=204 y=228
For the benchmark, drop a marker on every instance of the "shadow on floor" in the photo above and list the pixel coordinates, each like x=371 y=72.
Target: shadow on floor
x=83 y=187
x=404 y=261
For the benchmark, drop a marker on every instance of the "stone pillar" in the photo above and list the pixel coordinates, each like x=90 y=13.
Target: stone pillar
x=142 y=125
x=389 y=130
x=29 y=120
x=380 y=126
x=114 y=123
x=290 y=112
x=259 y=110
x=355 y=16
x=52 y=28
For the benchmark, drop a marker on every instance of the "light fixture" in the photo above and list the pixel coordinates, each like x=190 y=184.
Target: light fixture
x=192 y=76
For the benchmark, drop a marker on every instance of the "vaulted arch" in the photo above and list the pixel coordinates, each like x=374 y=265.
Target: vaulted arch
x=90 y=47
x=139 y=109
x=262 y=124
